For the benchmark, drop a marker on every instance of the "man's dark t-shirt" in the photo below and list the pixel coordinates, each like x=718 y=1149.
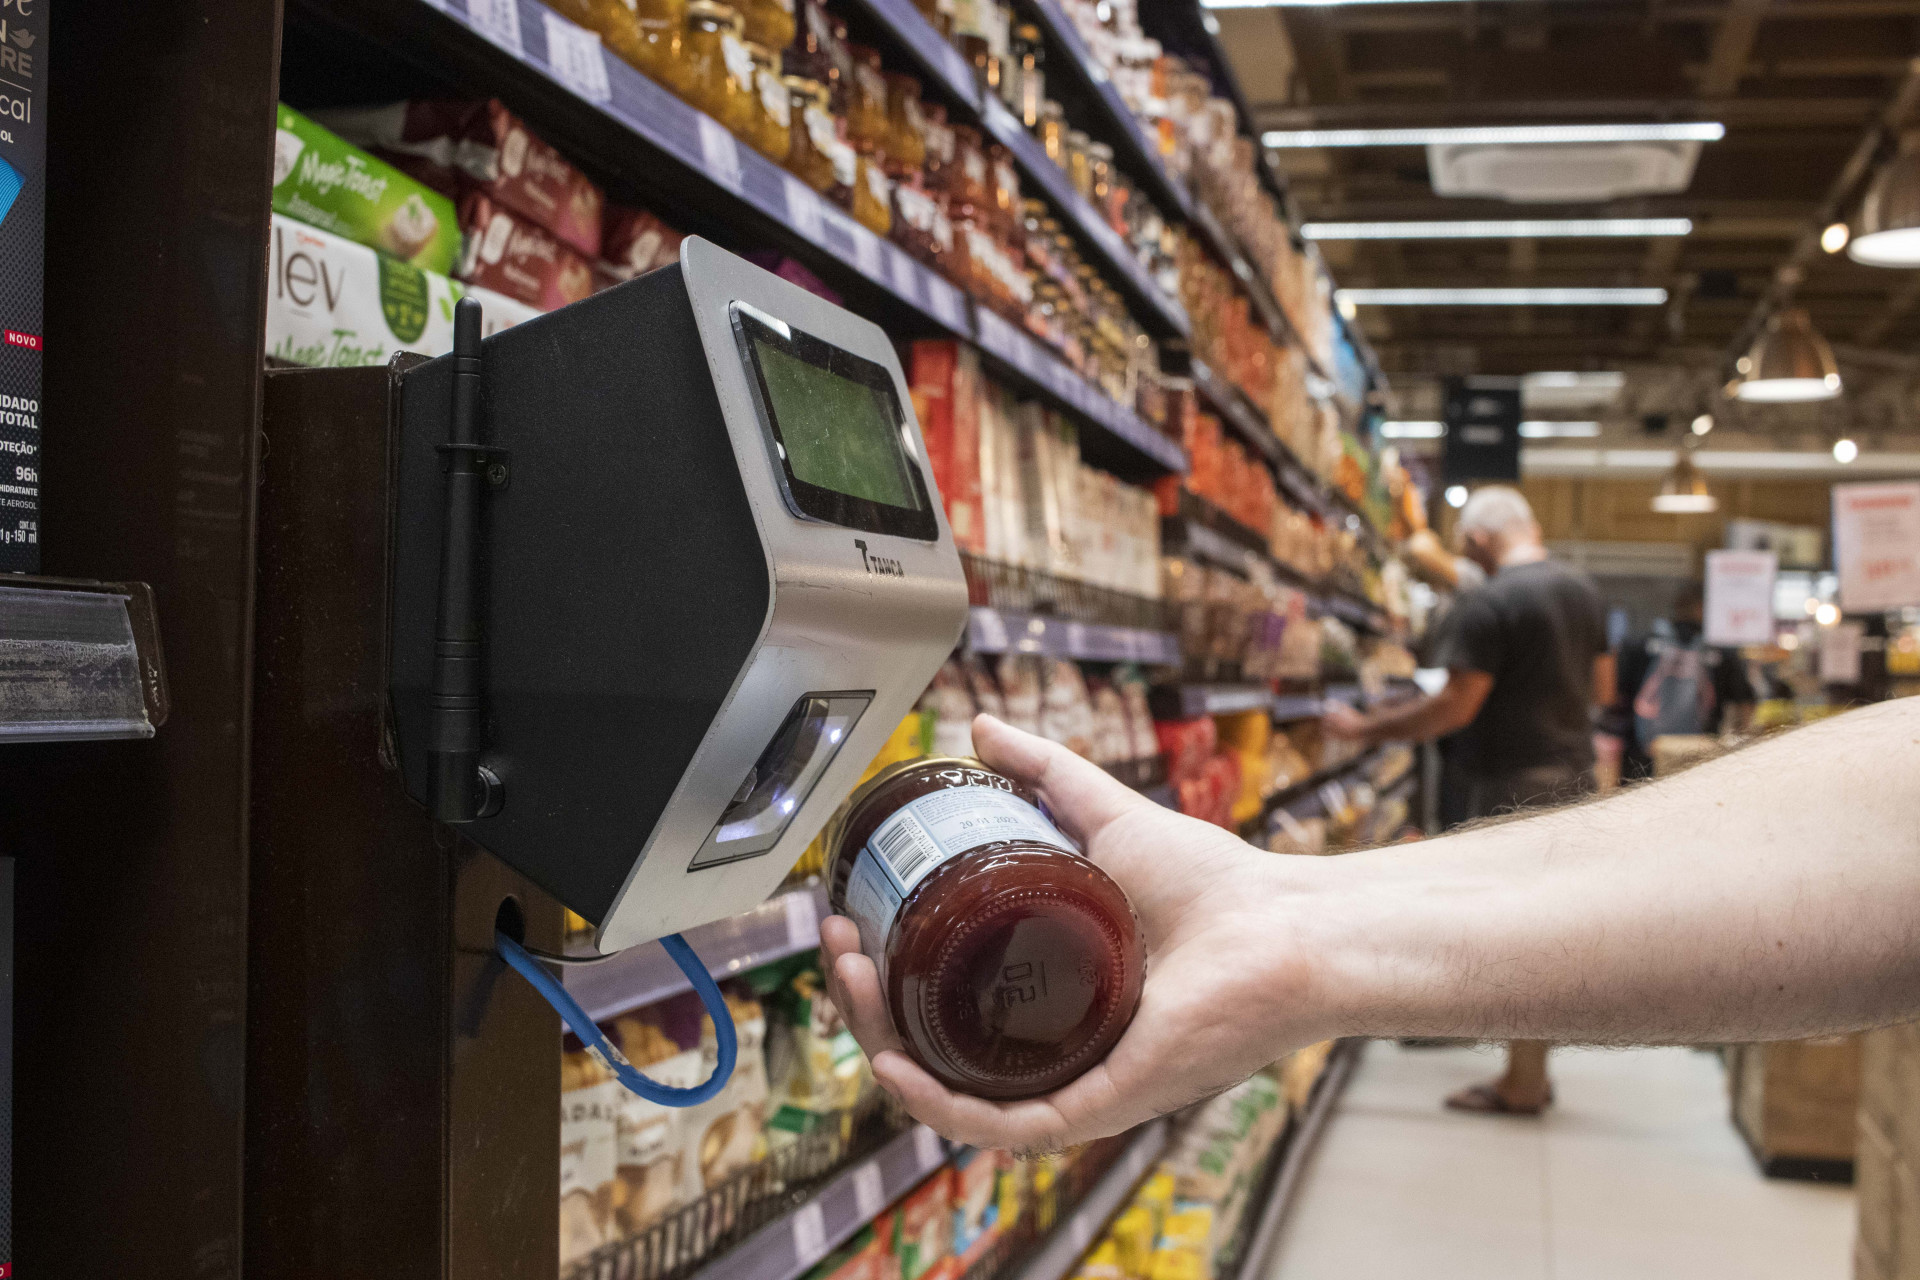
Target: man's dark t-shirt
x=1536 y=629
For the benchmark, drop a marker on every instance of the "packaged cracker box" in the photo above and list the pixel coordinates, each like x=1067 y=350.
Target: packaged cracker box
x=333 y=303
x=324 y=181
x=455 y=145
x=506 y=253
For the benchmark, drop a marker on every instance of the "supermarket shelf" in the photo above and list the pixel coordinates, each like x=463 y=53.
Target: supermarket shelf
x=785 y=1248
x=1302 y=1134
x=1300 y=485
x=1162 y=795
x=1227 y=248
x=1132 y=147
x=1181 y=27
x=1009 y=631
x=1075 y=1234
x=1011 y=348
x=1162 y=314
x=1303 y=799
x=629 y=124
x=1186 y=701
x=1288 y=707
x=940 y=61
x=779 y=927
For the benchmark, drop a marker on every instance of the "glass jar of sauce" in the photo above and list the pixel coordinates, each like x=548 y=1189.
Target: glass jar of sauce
x=1009 y=963
x=807 y=120
x=775 y=116
x=769 y=22
x=907 y=128
x=872 y=205
x=717 y=68
x=869 y=127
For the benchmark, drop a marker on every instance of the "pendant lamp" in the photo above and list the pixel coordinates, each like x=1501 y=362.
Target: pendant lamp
x=1789 y=363
x=1889 y=233
x=1684 y=491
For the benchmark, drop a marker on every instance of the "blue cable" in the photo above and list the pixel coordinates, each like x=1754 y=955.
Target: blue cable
x=598 y=1045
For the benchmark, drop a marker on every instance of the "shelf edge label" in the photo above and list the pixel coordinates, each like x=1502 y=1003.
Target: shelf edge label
x=498 y=21
x=576 y=59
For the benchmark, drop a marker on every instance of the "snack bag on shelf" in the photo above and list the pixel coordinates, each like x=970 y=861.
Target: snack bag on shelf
x=454 y=145
x=976 y=1206
x=1300 y=1070
x=322 y=180
x=1112 y=736
x=949 y=703
x=1066 y=713
x=1020 y=690
x=1101 y=1263
x=1143 y=742
x=589 y=1105
x=650 y=1157
x=984 y=687
x=828 y=1073
x=923 y=1225
x=634 y=242
x=1187 y=745
x=724 y=1132
x=1133 y=1235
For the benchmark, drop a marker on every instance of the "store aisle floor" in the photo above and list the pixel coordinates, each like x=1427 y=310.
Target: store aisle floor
x=1635 y=1172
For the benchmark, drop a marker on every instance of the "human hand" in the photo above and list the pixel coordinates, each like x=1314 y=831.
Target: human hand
x=1340 y=720
x=1226 y=982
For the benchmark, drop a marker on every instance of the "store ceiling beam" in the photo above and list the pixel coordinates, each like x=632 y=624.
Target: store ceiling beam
x=1807 y=251
x=1732 y=42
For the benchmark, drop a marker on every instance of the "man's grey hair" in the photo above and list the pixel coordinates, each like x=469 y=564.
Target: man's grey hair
x=1497 y=510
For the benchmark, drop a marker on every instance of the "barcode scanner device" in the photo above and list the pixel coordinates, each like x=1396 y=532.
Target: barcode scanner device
x=669 y=567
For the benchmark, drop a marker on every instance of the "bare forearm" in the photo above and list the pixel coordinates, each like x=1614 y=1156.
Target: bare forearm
x=1418 y=720
x=1773 y=893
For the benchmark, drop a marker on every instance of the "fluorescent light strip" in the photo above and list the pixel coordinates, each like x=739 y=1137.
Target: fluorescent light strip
x=1558 y=461
x=1559 y=430
x=1412 y=430
x=1523 y=228
x=1291 y=4
x=1503 y=297
x=1693 y=131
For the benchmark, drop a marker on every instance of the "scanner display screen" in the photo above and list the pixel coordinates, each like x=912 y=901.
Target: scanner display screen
x=842 y=440
x=837 y=433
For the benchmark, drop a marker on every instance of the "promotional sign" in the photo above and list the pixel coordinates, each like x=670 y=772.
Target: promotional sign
x=1876 y=545
x=1840 y=653
x=1739 y=597
x=23 y=145
x=1483 y=430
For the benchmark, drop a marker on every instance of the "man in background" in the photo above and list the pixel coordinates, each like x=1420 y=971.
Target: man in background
x=1527 y=664
x=1672 y=682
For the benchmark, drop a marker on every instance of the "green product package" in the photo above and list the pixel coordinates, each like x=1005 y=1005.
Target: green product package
x=326 y=182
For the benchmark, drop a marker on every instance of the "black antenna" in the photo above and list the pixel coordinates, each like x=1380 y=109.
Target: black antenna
x=457 y=788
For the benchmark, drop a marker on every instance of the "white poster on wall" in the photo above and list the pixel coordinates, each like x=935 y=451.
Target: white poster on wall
x=1840 y=653
x=1876 y=545
x=1739 y=597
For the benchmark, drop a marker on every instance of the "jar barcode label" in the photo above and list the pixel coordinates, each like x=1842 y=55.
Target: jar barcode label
x=907 y=847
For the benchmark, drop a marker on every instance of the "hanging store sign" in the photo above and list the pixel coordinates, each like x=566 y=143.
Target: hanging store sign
x=1876 y=545
x=23 y=148
x=1483 y=430
x=1739 y=597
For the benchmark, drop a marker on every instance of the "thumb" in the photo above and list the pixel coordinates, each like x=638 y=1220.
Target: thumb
x=1083 y=796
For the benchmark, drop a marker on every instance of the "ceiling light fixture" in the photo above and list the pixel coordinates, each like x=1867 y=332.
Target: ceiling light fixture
x=1289 y=4
x=1559 y=430
x=1826 y=615
x=1890 y=217
x=1835 y=237
x=1456 y=495
x=1402 y=430
x=1684 y=491
x=1789 y=363
x=1504 y=297
x=1845 y=451
x=1702 y=424
x=1694 y=131
x=1507 y=229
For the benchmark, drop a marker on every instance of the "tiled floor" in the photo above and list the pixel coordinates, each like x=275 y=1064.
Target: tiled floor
x=1635 y=1173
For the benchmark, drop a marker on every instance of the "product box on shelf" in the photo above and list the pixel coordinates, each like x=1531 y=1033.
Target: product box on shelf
x=589 y=1109
x=521 y=259
x=333 y=303
x=323 y=180
x=454 y=146
x=946 y=390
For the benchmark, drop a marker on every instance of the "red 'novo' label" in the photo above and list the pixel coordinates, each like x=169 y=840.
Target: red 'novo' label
x=31 y=341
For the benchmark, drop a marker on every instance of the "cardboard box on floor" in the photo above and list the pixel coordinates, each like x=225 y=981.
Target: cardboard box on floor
x=1887 y=1159
x=1794 y=1103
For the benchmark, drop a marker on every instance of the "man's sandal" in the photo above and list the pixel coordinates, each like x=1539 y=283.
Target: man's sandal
x=1484 y=1099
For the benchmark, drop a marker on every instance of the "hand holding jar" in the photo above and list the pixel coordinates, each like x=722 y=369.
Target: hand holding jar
x=1205 y=1017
